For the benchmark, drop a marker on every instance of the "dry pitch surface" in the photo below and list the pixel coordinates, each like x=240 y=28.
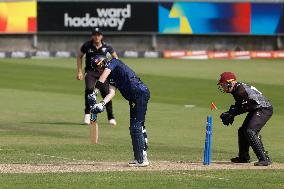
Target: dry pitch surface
x=122 y=166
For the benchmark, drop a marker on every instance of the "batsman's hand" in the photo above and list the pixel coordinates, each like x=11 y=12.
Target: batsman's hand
x=98 y=108
x=92 y=99
x=227 y=118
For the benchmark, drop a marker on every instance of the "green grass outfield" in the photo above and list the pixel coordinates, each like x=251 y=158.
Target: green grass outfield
x=237 y=179
x=42 y=109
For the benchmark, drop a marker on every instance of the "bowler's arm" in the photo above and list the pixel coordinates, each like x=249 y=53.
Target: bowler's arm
x=79 y=65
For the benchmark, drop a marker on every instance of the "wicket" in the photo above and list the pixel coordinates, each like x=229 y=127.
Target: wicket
x=208 y=141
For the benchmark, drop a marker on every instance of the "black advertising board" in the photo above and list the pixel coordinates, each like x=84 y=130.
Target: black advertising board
x=110 y=16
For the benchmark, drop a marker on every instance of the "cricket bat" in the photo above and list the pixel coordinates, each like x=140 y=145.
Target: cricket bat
x=94 y=129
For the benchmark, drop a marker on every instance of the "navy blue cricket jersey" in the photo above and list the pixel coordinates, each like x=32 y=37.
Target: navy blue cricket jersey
x=124 y=79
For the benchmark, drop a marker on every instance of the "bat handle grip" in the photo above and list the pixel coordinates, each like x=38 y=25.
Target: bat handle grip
x=93 y=117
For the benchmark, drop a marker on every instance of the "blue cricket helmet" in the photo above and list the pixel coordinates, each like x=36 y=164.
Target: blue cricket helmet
x=98 y=61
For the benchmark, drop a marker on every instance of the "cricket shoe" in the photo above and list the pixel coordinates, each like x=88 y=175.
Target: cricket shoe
x=135 y=163
x=87 y=119
x=240 y=160
x=112 y=122
x=265 y=162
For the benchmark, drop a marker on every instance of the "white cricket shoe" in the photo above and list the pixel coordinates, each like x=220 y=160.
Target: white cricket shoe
x=87 y=119
x=135 y=163
x=112 y=122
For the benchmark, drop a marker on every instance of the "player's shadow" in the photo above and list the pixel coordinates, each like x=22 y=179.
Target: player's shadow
x=55 y=123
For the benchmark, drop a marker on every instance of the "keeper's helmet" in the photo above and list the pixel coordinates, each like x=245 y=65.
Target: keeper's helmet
x=98 y=61
x=226 y=80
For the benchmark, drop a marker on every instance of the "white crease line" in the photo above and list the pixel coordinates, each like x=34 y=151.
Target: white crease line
x=51 y=156
x=65 y=158
x=189 y=106
x=220 y=178
x=206 y=176
x=57 y=157
x=6 y=149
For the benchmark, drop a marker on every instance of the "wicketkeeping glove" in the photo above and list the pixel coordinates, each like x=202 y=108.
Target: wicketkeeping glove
x=98 y=108
x=92 y=99
x=227 y=118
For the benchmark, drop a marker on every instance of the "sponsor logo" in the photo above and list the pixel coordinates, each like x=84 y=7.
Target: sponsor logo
x=151 y=54
x=18 y=54
x=199 y=52
x=221 y=54
x=90 y=51
x=261 y=54
x=217 y=54
x=196 y=55
x=63 y=54
x=133 y=54
x=242 y=53
x=174 y=54
x=44 y=54
x=106 y=17
x=2 y=55
x=278 y=54
x=111 y=81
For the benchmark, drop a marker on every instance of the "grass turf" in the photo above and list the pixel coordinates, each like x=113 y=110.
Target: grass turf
x=253 y=179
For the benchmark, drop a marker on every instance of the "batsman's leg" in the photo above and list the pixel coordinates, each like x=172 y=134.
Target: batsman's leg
x=138 y=141
x=133 y=112
x=142 y=103
x=145 y=136
x=137 y=119
x=137 y=133
x=132 y=122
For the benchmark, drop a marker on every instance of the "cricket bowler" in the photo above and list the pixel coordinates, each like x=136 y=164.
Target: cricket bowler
x=121 y=77
x=248 y=100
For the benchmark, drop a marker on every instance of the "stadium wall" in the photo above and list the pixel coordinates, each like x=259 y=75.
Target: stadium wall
x=143 y=42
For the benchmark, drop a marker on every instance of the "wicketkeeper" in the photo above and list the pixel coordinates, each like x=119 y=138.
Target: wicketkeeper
x=248 y=100
x=121 y=77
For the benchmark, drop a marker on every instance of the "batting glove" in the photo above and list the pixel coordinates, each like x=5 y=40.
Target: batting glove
x=92 y=99
x=98 y=108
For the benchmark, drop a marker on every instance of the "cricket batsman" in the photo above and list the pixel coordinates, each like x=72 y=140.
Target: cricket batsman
x=121 y=77
x=248 y=100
